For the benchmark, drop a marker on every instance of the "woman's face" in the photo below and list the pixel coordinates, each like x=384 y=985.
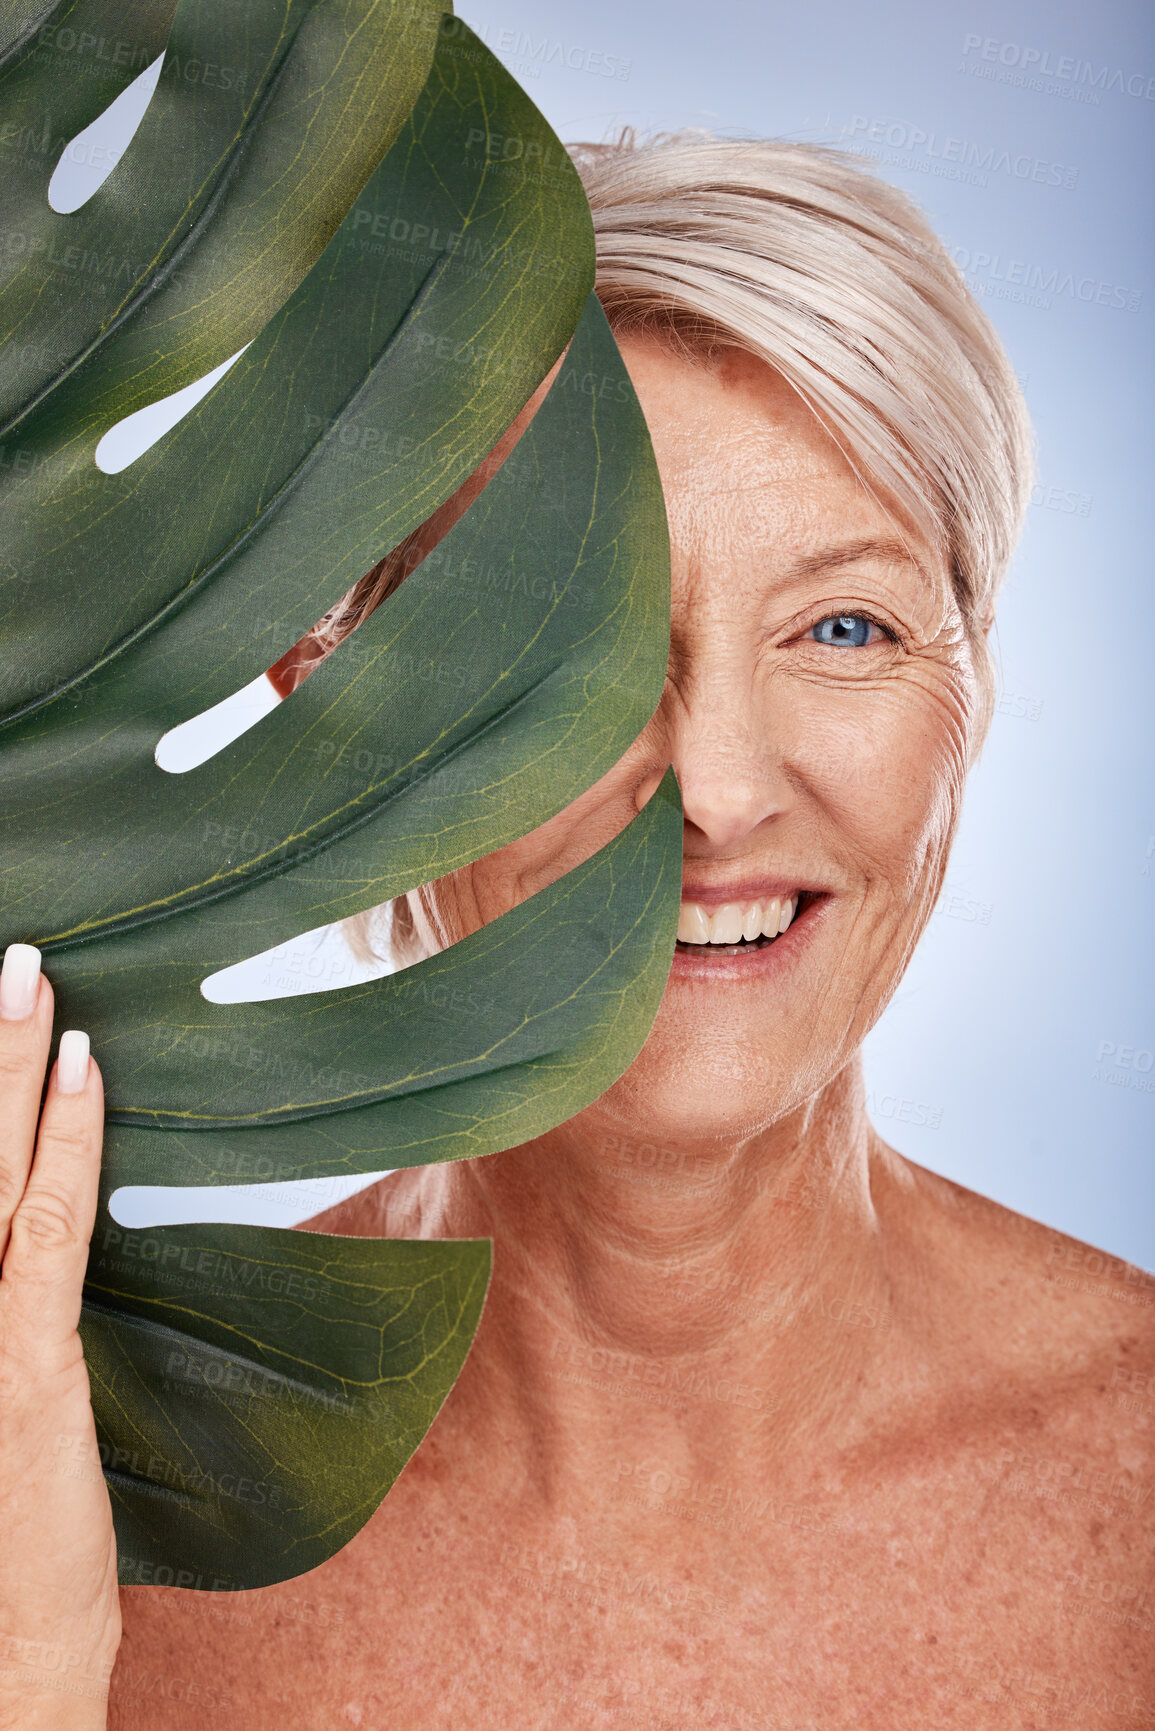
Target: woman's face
x=819 y=712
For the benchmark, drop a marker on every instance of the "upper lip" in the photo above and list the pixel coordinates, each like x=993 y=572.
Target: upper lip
x=750 y=890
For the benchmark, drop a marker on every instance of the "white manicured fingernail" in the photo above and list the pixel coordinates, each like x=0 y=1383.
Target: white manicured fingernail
x=72 y=1062
x=19 y=981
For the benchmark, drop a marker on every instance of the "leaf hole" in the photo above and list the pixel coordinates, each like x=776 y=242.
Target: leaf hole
x=193 y=742
x=87 y=160
x=138 y=432
x=256 y=1201
x=316 y=961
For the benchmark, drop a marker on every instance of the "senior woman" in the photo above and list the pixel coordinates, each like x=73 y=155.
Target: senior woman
x=764 y=1425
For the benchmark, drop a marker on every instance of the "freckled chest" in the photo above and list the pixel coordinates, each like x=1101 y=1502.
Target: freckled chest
x=666 y=1607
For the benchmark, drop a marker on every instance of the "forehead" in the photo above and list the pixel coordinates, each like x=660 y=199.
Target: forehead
x=744 y=460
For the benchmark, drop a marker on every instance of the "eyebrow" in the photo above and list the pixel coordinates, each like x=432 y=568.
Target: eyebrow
x=886 y=548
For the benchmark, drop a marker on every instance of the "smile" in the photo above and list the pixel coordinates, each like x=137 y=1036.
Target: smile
x=748 y=924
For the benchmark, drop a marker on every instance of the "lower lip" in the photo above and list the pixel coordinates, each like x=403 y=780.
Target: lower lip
x=720 y=964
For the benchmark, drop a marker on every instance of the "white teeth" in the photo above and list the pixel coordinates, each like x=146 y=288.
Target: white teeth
x=734 y=920
x=693 y=927
x=726 y=924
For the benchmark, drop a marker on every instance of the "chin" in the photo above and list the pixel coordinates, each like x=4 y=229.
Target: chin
x=706 y=1082
x=743 y=1039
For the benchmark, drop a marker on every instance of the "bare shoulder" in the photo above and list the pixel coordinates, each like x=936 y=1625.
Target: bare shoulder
x=1064 y=1303
x=1051 y=1338
x=1033 y=1398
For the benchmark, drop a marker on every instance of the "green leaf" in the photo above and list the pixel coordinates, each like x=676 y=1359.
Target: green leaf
x=257 y=1392
x=504 y=677
x=267 y=120
x=489 y=1043
x=563 y=661
x=374 y=391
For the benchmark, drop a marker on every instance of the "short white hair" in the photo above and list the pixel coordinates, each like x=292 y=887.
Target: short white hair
x=799 y=255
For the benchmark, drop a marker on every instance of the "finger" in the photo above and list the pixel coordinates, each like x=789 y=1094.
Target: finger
x=25 y=1037
x=48 y=1247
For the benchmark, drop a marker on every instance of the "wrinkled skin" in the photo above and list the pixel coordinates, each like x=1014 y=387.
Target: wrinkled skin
x=764 y=1425
x=837 y=770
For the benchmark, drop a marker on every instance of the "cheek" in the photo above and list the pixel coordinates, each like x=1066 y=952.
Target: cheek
x=885 y=768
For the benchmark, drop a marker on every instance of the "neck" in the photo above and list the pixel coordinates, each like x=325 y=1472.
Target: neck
x=694 y=1290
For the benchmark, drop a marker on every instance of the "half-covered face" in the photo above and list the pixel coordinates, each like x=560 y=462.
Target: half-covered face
x=819 y=713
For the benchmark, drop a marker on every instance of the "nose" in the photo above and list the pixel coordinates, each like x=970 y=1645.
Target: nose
x=721 y=745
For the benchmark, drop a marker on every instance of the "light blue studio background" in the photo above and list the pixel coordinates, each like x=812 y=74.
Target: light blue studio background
x=1018 y=1055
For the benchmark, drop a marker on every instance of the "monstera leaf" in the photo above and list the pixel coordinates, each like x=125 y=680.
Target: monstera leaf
x=406 y=260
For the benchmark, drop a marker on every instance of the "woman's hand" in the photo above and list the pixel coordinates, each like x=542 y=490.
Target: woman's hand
x=59 y=1609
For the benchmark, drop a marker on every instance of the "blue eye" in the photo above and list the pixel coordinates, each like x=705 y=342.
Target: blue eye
x=844 y=630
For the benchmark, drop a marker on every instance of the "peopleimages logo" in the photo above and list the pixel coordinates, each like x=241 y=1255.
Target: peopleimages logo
x=532 y=55
x=1040 y=284
x=1067 y=68
x=915 y=147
